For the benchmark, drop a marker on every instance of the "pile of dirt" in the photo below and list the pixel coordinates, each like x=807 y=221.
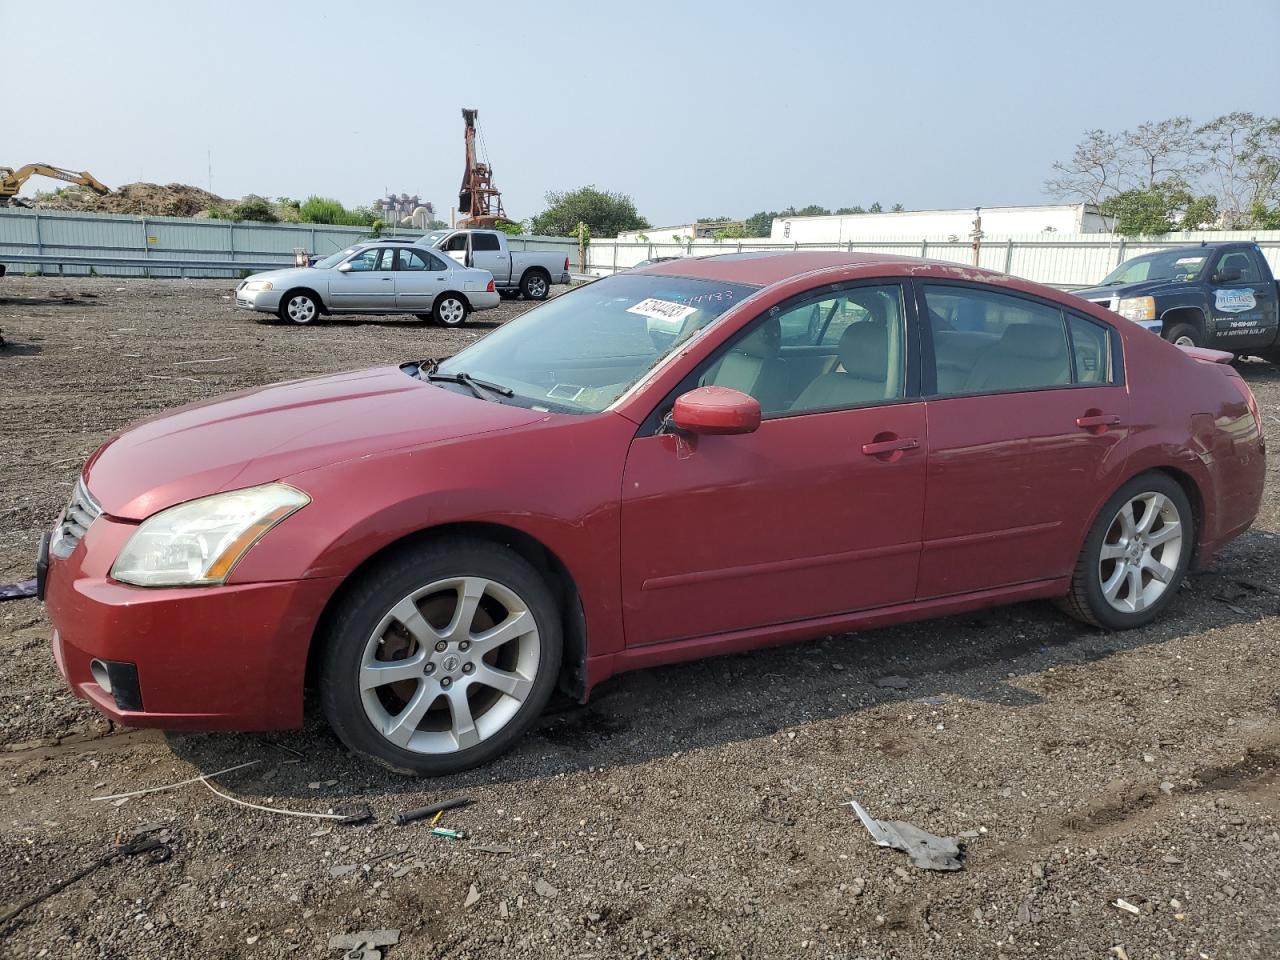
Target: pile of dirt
x=151 y=199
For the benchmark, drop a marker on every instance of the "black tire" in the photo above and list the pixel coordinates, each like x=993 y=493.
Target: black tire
x=387 y=583
x=450 y=310
x=535 y=285
x=1087 y=601
x=299 y=307
x=1185 y=331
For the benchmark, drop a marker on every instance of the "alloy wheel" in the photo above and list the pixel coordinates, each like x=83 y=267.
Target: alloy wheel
x=537 y=287
x=449 y=665
x=1140 y=552
x=1184 y=342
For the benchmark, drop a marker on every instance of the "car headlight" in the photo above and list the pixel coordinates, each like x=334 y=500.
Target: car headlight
x=257 y=286
x=199 y=542
x=1137 y=308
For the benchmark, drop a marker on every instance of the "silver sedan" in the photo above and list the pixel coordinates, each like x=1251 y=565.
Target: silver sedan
x=373 y=277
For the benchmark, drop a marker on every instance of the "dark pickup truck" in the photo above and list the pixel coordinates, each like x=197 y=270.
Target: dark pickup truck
x=1219 y=295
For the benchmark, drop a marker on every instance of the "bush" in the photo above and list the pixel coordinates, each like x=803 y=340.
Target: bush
x=327 y=210
x=254 y=208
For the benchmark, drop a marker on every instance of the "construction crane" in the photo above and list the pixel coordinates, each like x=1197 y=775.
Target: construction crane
x=11 y=181
x=478 y=199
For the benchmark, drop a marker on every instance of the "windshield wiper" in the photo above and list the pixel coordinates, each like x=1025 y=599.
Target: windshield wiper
x=476 y=385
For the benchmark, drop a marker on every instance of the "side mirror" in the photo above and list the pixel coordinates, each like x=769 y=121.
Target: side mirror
x=716 y=410
x=1229 y=275
x=344 y=267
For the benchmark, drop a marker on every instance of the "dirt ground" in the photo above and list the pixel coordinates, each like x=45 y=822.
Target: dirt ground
x=690 y=811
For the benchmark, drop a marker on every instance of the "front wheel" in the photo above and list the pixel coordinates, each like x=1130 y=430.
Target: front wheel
x=300 y=308
x=441 y=657
x=450 y=311
x=1185 y=335
x=1135 y=556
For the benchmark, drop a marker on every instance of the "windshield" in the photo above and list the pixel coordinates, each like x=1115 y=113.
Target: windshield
x=430 y=239
x=579 y=352
x=333 y=259
x=1168 y=265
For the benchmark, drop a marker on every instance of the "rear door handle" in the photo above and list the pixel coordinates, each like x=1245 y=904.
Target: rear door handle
x=1098 y=420
x=879 y=447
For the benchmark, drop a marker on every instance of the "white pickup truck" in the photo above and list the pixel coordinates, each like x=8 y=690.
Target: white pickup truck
x=531 y=272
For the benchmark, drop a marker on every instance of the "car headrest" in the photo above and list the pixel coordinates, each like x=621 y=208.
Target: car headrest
x=763 y=342
x=864 y=351
x=1033 y=341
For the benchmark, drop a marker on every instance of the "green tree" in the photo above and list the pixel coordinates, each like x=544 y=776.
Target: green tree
x=605 y=213
x=1157 y=209
x=252 y=208
x=898 y=208
x=875 y=208
x=812 y=210
x=759 y=224
x=1263 y=217
x=851 y=211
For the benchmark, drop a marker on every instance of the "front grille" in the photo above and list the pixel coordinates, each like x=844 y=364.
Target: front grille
x=75 y=520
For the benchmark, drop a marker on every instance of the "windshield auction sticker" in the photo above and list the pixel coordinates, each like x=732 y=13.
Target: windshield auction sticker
x=667 y=310
x=1235 y=301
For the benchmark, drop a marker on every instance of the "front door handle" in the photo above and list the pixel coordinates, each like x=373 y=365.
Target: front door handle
x=889 y=445
x=1097 y=420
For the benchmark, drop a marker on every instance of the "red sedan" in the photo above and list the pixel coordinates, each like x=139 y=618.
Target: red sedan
x=703 y=456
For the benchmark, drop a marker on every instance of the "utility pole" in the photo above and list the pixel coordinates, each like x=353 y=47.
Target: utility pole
x=977 y=234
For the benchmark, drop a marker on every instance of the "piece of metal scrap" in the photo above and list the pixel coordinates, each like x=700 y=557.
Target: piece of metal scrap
x=927 y=851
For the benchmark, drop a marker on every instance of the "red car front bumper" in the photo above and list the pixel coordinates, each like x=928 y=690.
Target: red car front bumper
x=207 y=658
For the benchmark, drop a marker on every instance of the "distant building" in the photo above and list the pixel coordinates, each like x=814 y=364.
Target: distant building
x=395 y=208
x=702 y=230
x=996 y=221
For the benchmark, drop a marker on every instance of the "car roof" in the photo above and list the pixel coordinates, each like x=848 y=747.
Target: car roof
x=767 y=267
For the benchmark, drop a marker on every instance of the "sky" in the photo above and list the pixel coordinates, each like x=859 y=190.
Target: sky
x=694 y=109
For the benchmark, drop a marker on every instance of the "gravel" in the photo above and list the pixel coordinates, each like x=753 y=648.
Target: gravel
x=697 y=810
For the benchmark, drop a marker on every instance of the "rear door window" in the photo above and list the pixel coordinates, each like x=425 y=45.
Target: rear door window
x=484 y=241
x=990 y=342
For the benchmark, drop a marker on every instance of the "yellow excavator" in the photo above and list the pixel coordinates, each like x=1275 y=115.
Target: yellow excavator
x=11 y=181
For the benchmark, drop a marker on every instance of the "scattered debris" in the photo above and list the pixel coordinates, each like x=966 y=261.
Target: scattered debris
x=317 y=784
x=932 y=701
x=473 y=897
x=360 y=816
x=17 y=591
x=1259 y=587
x=364 y=938
x=1127 y=907
x=451 y=834
x=343 y=869
x=157 y=851
x=544 y=889
x=1233 y=607
x=892 y=683
x=1120 y=952
x=423 y=812
x=491 y=848
x=927 y=851
x=175 y=786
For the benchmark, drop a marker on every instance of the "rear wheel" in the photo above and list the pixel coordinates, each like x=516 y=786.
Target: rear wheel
x=299 y=307
x=1135 y=556
x=441 y=657
x=1185 y=335
x=535 y=285
x=450 y=310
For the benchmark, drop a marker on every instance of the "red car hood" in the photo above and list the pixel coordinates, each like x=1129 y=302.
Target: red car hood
x=261 y=435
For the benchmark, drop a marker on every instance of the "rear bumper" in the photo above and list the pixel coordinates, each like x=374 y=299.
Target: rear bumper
x=214 y=658
x=484 y=300
x=565 y=278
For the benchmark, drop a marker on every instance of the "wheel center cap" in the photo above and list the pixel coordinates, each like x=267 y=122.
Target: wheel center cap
x=451 y=663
